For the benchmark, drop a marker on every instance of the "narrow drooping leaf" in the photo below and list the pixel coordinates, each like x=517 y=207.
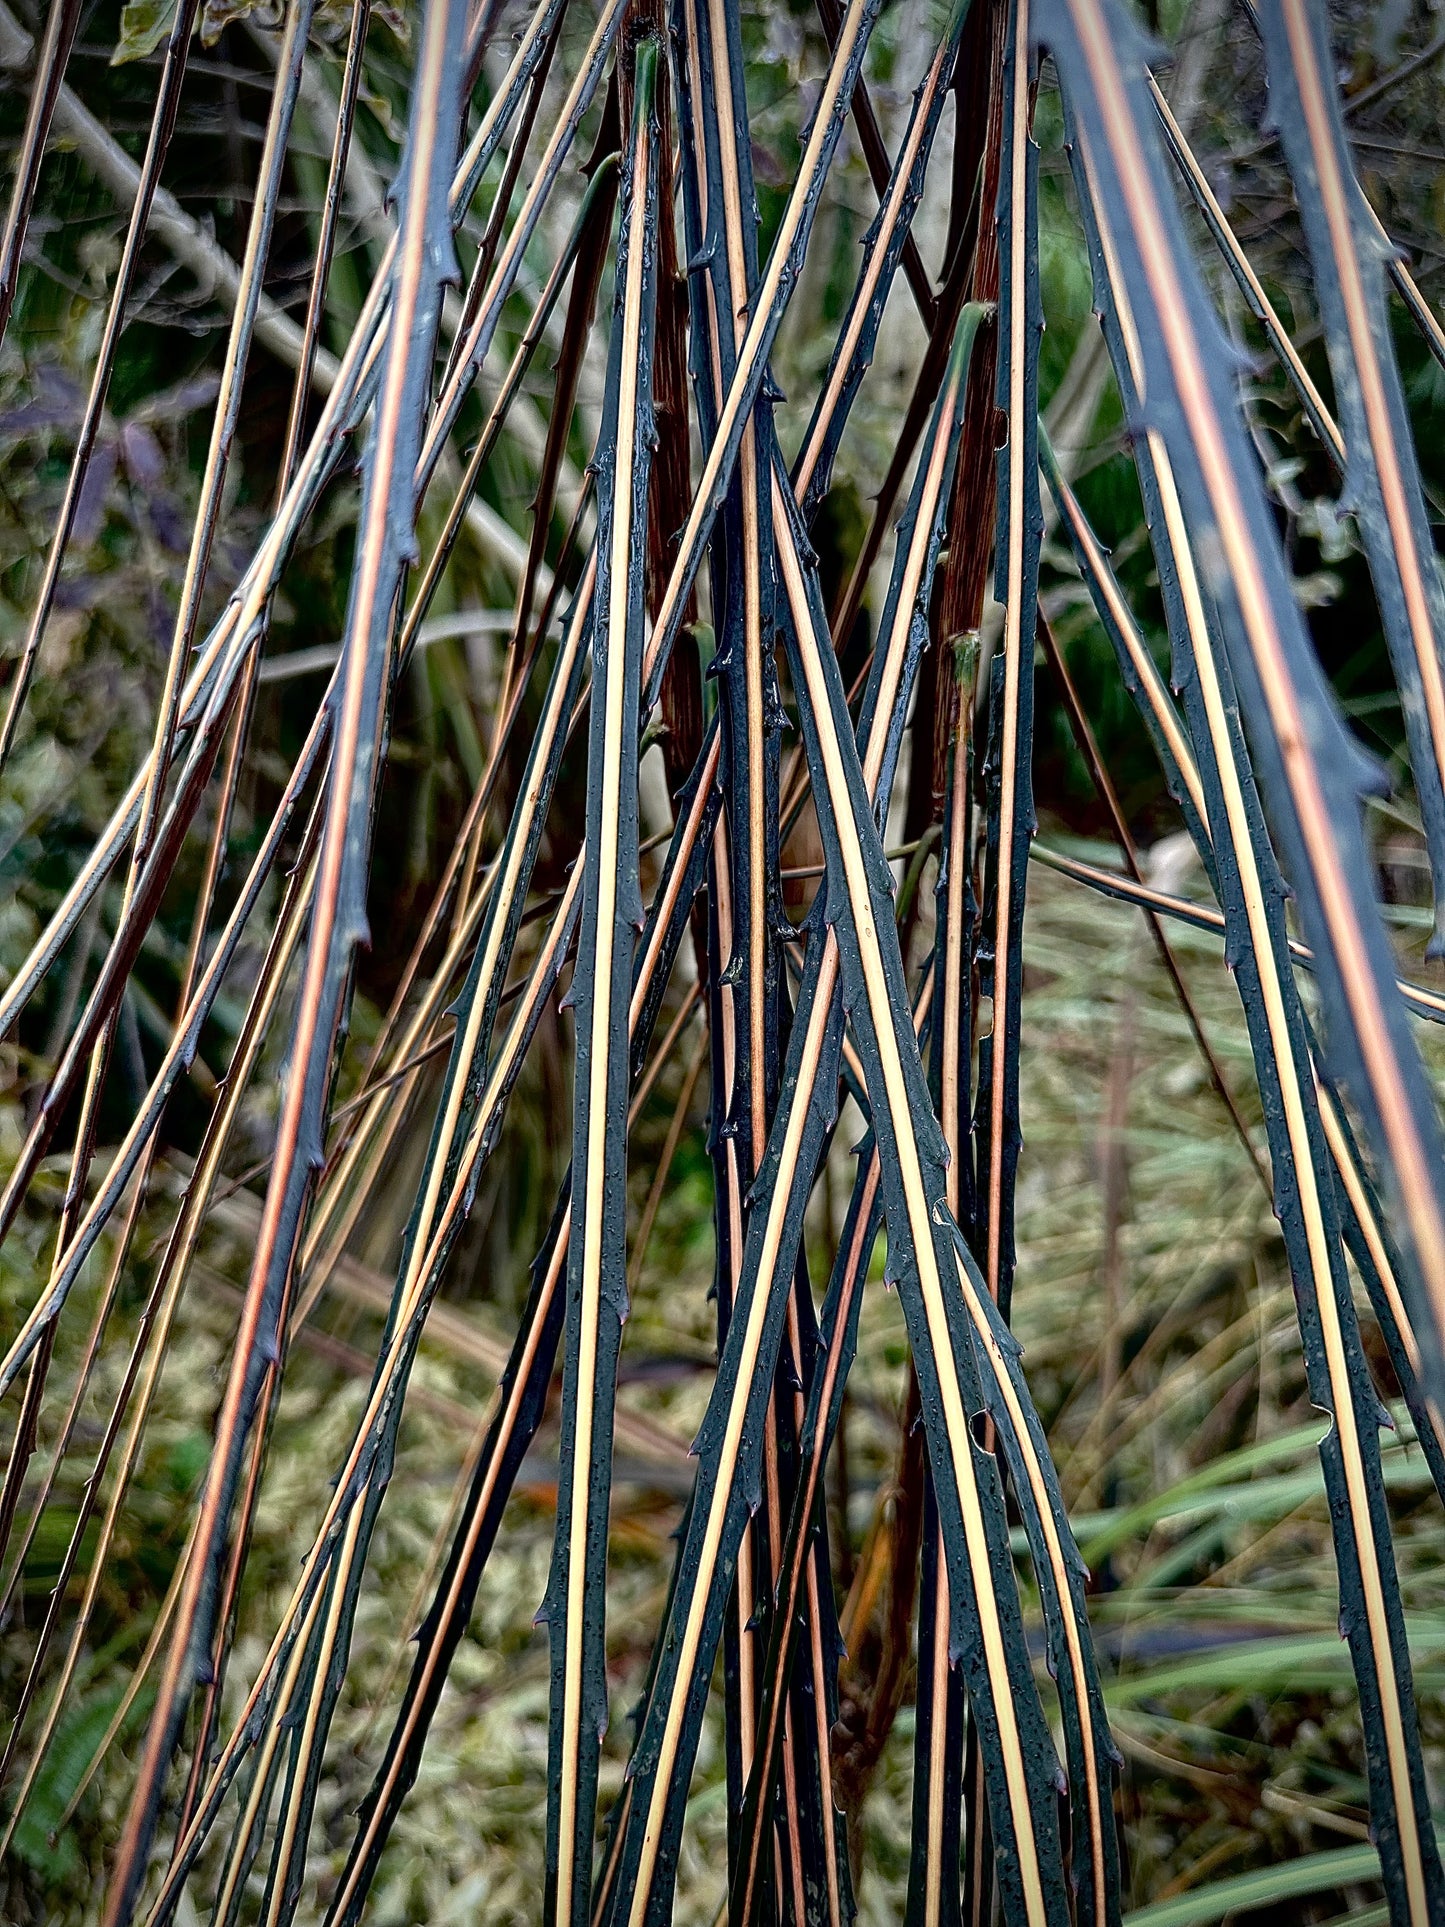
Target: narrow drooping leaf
x=375 y=1434
x=521 y=1394
x=901 y=637
x=926 y=1256
x=338 y=918
x=596 y=1292
x=1008 y=772
x=1006 y=1398
x=744 y=911
x=1252 y=894
x=938 y=1748
x=418 y=1273
x=934 y=1896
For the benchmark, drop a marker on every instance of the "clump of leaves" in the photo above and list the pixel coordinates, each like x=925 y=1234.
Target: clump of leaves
x=700 y=775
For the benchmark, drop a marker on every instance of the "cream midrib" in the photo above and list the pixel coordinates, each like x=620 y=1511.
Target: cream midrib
x=599 y=1066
